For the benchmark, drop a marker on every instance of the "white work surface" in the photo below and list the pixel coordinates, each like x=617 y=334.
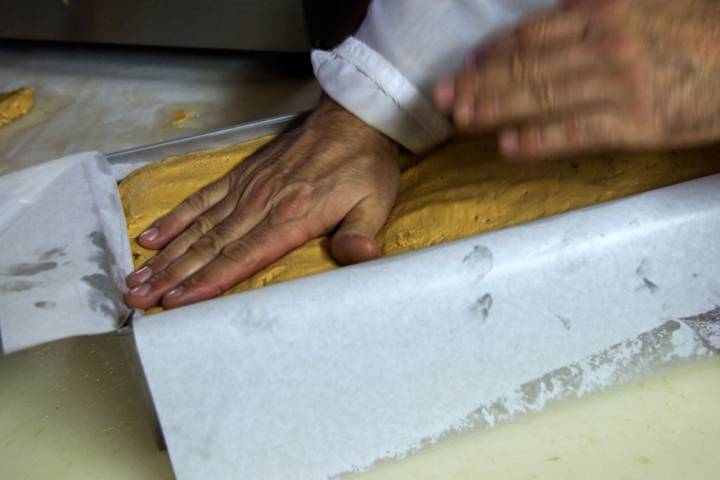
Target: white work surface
x=74 y=411
x=113 y=99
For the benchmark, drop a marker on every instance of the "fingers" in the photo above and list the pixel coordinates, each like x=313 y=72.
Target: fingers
x=516 y=68
x=508 y=71
x=542 y=99
x=258 y=205
x=568 y=39
x=167 y=272
x=354 y=241
x=240 y=246
x=177 y=247
x=556 y=85
x=564 y=137
x=239 y=260
x=534 y=84
x=171 y=225
x=562 y=26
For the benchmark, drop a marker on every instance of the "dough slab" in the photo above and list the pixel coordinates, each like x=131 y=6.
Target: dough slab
x=460 y=190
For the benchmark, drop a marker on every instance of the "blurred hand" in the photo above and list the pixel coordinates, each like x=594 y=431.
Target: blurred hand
x=595 y=75
x=333 y=170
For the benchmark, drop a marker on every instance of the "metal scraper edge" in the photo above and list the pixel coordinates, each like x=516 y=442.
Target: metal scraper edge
x=125 y=161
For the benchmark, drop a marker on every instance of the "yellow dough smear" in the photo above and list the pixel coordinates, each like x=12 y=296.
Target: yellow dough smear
x=459 y=190
x=179 y=118
x=15 y=104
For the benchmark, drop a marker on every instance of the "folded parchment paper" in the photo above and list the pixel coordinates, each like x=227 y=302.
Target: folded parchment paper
x=65 y=252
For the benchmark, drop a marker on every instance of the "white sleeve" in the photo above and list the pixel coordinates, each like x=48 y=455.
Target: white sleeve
x=385 y=73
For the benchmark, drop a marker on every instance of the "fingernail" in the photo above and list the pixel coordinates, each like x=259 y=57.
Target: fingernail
x=176 y=292
x=149 y=235
x=445 y=93
x=141 y=274
x=140 y=290
x=510 y=142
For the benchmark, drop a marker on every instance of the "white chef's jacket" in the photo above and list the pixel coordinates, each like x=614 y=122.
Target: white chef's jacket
x=385 y=73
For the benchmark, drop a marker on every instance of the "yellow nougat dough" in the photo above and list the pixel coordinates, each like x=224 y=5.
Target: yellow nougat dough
x=459 y=190
x=15 y=104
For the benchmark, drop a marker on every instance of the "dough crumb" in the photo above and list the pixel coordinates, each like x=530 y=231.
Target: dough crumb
x=15 y=104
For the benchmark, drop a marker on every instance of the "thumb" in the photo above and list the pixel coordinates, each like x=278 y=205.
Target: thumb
x=354 y=241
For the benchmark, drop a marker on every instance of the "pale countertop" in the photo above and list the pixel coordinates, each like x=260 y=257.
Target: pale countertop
x=74 y=409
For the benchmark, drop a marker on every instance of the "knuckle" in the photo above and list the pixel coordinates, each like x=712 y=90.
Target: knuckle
x=161 y=260
x=176 y=248
x=208 y=245
x=197 y=201
x=260 y=191
x=237 y=252
x=164 y=276
x=294 y=204
x=172 y=274
x=201 y=225
x=228 y=228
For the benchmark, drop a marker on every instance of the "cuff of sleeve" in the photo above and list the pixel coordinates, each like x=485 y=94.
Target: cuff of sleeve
x=366 y=84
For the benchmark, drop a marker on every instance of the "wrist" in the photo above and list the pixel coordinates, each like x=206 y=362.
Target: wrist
x=336 y=122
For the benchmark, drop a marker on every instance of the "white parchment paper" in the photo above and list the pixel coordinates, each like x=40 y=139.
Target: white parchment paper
x=65 y=252
x=328 y=374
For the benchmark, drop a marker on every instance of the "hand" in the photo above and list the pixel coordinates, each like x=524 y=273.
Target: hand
x=334 y=169
x=596 y=75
